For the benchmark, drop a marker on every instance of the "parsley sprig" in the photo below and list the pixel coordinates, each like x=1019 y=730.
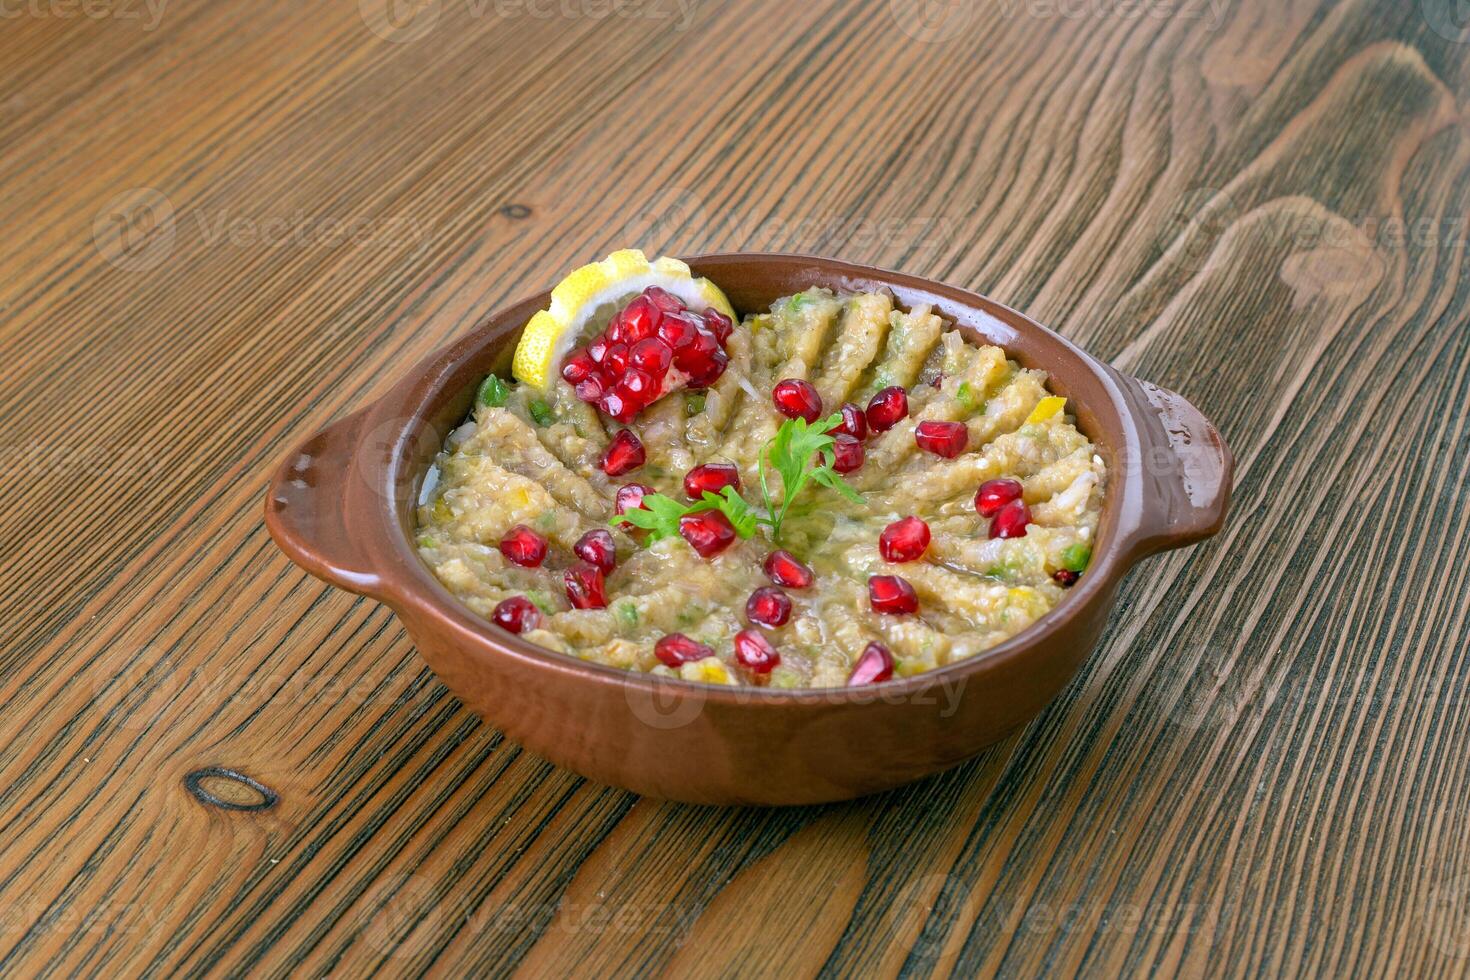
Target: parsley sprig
x=800 y=453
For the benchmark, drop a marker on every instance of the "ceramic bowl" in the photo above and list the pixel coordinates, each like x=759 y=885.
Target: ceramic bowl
x=341 y=506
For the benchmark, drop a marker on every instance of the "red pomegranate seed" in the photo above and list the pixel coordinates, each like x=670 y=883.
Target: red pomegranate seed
x=624 y=454
x=947 y=439
x=768 y=606
x=630 y=496
x=639 y=320
x=523 y=547
x=783 y=568
x=847 y=453
x=516 y=614
x=1065 y=577
x=887 y=408
x=676 y=648
x=615 y=361
x=995 y=494
x=891 y=594
x=755 y=653
x=904 y=540
x=1011 y=520
x=937 y=381
x=596 y=548
x=678 y=331
x=597 y=350
x=614 y=332
x=712 y=477
x=637 y=387
x=709 y=532
x=663 y=300
x=797 y=399
x=578 y=366
x=709 y=372
x=854 y=422
x=586 y=587
x=696 y=355
x=719 y=324
x=875 y=665
x=616 y=406
x=651 y=355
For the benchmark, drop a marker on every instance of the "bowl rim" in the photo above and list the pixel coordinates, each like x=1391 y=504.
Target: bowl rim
x=410 y=588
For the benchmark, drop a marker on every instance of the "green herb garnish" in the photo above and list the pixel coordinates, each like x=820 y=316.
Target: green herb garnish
x=540 y=412
x=661 y=516
x=800 y=453
x=494 y=392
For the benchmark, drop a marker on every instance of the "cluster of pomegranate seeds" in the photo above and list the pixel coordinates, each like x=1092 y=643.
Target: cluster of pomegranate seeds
x=712 y=478
x=624 y=454
x=995 y=494
x=708 y=532
x=887 y=408
x=947 y=439
x=676 y=649
x=630 y=496
x=596 y=549
x=1011 y=520
x=586 y=587
x=847 y=453
x=523 y=546
x=797 y=399
x=755 y=653
x=876 y=664
x=516 y=614
x=783 y=568
x=891 y=594
x=1065 y=577
x=904 y=540
x=854 y=422
x=652 y=346
x=768 y=606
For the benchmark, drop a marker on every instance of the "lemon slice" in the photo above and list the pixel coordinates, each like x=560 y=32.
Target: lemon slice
x=590 y=296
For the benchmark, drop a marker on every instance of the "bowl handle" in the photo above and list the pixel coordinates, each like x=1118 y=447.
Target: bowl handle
x=304 y=509
x=1186 y=470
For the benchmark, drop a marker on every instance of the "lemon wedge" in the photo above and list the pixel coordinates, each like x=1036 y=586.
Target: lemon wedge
x=590 y=296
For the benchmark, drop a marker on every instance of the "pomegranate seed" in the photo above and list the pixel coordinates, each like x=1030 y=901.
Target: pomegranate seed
x=947 y=439
x=616 y=406
x=596 y=548
x=875 y=665
x=768 y=606
x=783 y=568
x=663 y=300
x=854 y=422
x=797 y=399
x=676 y=648
x=847 y=453
x=630 y=496
x=1011 y=520
x=614 y=332
x=755 y=653
x=639 y=320
x=887 y=408
x=891 y=594
x=523 y=547
x=677 y=331
x=709 y=532
x=616 y=358
x=637 y=387
x=651 y=355
x=904 y=540
x=624 y=454
x=586 y=587
x=516 y=614
x=597 y=350
x=589 y=389
x=712 y=477
x=578 y=366
x=995 y=494
x=698 y=353
x=708 y=373
x=719 y=324
x=1065 y=577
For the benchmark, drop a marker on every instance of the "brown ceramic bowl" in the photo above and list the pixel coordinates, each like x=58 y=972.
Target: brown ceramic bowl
x=341 y=505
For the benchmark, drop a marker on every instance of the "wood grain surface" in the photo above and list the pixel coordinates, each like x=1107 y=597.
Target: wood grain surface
x=226 y=224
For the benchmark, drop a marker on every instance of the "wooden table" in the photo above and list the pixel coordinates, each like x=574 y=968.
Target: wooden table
x=226 y=224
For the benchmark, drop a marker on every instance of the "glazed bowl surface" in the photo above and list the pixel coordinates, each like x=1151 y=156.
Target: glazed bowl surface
x=342 y=503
